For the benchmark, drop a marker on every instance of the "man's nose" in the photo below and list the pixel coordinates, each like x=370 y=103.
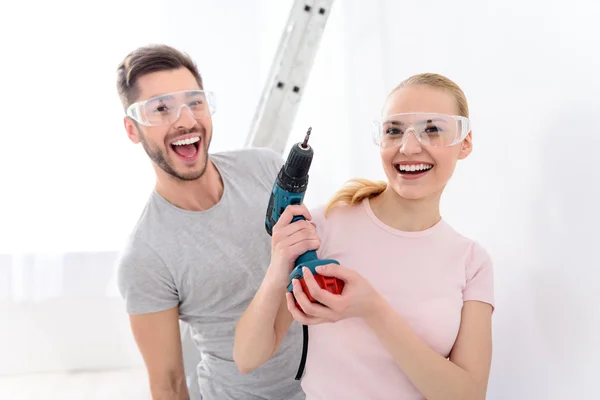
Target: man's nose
x=410 y=143
x=186 y=117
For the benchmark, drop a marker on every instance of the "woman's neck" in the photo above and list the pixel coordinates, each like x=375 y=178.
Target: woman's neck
x=405 y=214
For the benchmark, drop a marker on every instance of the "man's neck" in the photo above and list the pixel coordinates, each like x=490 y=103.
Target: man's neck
x=198 y=195
x=405 y=214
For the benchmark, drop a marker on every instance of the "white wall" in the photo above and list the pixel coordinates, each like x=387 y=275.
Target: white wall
x=73 y=184
x=528 y=192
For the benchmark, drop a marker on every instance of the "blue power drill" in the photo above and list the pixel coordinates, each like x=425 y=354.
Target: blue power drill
x=289 y=188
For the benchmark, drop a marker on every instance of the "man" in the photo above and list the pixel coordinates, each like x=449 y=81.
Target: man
x=199 y=250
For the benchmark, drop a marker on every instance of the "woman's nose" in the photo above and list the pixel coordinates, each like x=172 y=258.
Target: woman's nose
x=410 y=143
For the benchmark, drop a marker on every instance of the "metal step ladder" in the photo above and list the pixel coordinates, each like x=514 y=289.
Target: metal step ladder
x=280 y=99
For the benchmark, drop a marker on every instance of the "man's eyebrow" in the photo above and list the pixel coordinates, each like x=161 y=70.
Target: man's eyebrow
x=169 y=96
x=161 y=97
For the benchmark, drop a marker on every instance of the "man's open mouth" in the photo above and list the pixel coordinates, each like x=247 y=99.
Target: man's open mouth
x=186 y=148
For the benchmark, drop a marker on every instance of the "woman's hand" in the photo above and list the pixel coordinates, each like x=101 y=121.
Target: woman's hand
x=358 y=298
x=290 y=240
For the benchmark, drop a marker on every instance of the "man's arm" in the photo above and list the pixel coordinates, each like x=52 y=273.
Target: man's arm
x=158 y=339
x=152 y=302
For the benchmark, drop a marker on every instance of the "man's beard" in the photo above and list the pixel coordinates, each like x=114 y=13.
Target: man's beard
x=159 y=158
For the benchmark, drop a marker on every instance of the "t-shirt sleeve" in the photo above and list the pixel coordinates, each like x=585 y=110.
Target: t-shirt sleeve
x=479 y=277
x=145 y=282
x=272 y=162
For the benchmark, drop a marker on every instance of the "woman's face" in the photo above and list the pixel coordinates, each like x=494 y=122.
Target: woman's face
x=415 y=170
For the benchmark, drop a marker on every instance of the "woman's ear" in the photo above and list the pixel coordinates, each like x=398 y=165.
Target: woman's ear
x=466 y=147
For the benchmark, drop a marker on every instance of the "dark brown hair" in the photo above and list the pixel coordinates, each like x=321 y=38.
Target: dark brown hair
x=148 y=59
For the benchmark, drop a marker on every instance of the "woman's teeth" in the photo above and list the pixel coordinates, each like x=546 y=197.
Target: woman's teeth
x=413 y=168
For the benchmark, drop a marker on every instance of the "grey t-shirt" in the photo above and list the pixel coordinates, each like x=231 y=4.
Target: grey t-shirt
x=210 y=264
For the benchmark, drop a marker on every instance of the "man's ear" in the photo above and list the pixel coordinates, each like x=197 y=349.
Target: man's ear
x=132 y=130
x=466 y=147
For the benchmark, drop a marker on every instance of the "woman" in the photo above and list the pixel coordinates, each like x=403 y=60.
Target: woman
x=414 y=318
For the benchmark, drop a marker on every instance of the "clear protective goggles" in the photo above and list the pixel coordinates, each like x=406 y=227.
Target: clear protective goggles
x=166 y=108
x=430 y=129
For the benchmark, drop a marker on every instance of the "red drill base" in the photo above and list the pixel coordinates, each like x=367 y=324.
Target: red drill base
x=331 y=284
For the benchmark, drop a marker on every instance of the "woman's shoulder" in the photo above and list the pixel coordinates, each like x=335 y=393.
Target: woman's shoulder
x=341 y=214
x=477 y=253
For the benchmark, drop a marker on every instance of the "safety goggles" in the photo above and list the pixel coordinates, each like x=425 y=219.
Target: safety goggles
x=430 y=129
x=166 y=109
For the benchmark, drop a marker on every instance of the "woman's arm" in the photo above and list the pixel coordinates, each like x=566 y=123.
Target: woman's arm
x=263 y=325
x=464 y=376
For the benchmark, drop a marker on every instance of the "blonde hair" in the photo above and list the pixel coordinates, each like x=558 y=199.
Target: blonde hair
x=356 y=190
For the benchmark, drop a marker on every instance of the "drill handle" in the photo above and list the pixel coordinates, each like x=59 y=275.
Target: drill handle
x=310 y=255
x=307 y=257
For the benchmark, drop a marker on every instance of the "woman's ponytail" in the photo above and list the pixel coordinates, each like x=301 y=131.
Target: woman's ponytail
x=355 y=191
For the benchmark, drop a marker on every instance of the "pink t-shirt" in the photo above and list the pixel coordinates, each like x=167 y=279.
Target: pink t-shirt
x=425 y=276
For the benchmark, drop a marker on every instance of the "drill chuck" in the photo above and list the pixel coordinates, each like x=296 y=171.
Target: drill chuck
x=291 y=182
x=293 y=177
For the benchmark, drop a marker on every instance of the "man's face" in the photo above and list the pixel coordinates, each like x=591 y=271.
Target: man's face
x=179 y=148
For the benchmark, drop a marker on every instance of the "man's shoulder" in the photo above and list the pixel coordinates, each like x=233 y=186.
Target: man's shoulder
x=144 y=280
x=137 y=251
x=250 y=152
x=262 y=164
x=251 y=158
x=140 y=244
x=147 y=224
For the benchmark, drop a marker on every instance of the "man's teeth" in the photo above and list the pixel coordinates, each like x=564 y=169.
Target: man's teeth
x=186 y=141
x=415 y=167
